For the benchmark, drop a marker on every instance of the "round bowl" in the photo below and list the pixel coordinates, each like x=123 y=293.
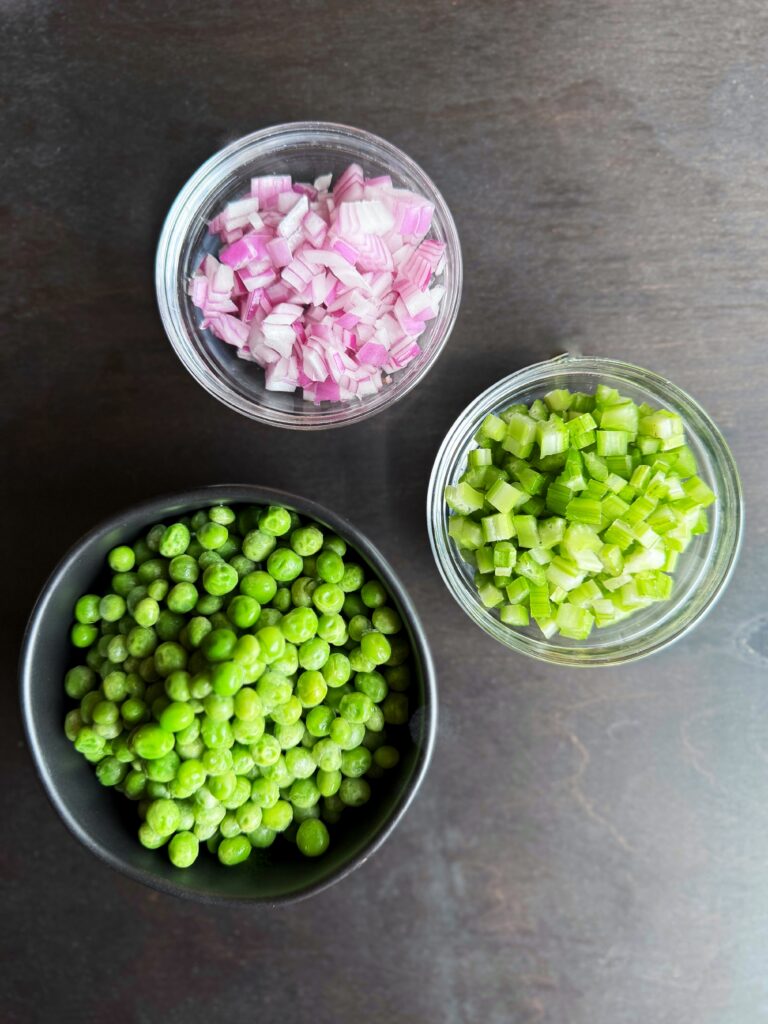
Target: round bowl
x=105 y=822
x=304 y=149
x=703 y=569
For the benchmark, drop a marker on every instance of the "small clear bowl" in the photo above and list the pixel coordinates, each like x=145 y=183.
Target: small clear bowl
x=703 y=569
x=304 y=149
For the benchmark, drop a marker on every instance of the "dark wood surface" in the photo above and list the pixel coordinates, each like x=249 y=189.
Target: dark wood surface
x=589 y=847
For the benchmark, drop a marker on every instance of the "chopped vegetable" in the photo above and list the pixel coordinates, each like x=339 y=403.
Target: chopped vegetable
x=327 y=289
x=240 y=674
x=574 y=510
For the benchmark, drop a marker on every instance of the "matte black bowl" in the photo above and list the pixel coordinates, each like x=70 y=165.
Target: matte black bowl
x=106 y=822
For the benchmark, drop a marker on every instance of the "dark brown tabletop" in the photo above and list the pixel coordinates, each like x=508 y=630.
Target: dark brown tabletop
x=590 y=847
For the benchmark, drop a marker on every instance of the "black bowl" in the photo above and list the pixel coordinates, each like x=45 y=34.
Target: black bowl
x=105 y=822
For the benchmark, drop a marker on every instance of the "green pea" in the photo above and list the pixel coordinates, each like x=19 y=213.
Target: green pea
x=386 y=620
x=87 y=609
x=330 y=567
x=112 y=607
x=275 y=521
x=262 y=837
x=334 y=543
x=307 y=540
x=319 y=721
x=333 y=629
x=386 y=757
x=356 y=707
x=265 y=751
x=277 y=817
x=182 y=598
x=220 y=579
x=158 y=589
x=271 y=642
x=175 y=541
x=149 y=838
x=79 y=681
x=284 y=565
x=216 y=735
x=152 y=741
x=395 y=709
x=219 y=644
x=121 y=559
x=191 y=774
x=359 y=625
x=355 y=763
x=226 y=678
x=169 y=625
x=299 y=625
x=288 y=712
x=153 y=569
x=312 y=838
x=183 y=569
x=328 y=598
x=234 y=850
x=163 y=817
x=183 y=849
x=328 y=782
x=300 y=762
x=221 y=514
x=169 y=657
x=302 y=589
x=288 y=662
x=353 y=605
x=314 y=653
x=176 y=716
x=373 y=684
x=110 y=771
x=135 y=785
x=146 y=612
x=353 y=578
x=163 y=769
x=327 y=755
x=304 y=793
x=243 y=611
x=257 y=545
x=311 y=688
x=264 y=792
x=124 y=582
x=289 y=734
x=217 y=762
x=358 y=662
x=212 y=535
x=354 y=792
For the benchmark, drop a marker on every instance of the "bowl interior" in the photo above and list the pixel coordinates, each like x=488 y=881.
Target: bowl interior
x=702 y=569
x=106 y=821
x=304 y=150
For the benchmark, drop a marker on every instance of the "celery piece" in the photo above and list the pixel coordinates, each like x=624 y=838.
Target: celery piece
x=572 y=476
x=596 y=467
x=605 y=395
x=480 y=457
x=574 y=623
x=526 y=530
x=484 y=558
x=584 y=510
x=612 y=442
x=585 y=594
x=620 y=534
x=564 y=572
x=620 y=416
x=528 y=567
x=551 y=531
x=463 y=499
x=513 y=410
x=558 y=400
x=661 y=424
x=581 y=402
x=698 y=491
x=538 y=410
x=531 y=481
x=518 y=590
x=540 y=606
x=490 y=595
x=558 y=497
x=614 y=507
x=541 y=555
x=685 y=463
x=557 y=595
x=621 y=464
x=504 y=556
x=493 y=427
x=548 y=627
x=640 y=477
x=655 y=585
x=640 y=559
x=514 y=615
x=639 y=510
x=617 y=582
x=504 y=496
x=520 y=435
x=552 y=436
x=535 y=506
x=612 y=559
x=497 y=527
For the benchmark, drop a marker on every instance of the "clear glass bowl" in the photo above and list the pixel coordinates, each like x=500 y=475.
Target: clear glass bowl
x=304 y=149
x=703 y=569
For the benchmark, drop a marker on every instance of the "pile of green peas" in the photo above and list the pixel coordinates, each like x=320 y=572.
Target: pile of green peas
x=243 y=678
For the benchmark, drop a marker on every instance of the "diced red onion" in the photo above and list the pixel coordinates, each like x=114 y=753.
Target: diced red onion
x=322 y=289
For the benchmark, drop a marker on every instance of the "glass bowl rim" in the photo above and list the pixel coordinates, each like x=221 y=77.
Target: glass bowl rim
x=504 y=390
x=180 y=219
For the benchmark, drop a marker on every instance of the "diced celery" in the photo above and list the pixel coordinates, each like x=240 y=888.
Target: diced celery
x=604 y=611
x=581 y=402
x=513 y=410
x=584 y=510
x=605 y=395
x=700 y=526
x=612 y=442
x=548 y=627
x=621 y=464
x=612 y=559
x=615 y=483
x=564 y=572
x=493 y=427
x=504 y=557
x=463 y=499
x=551 y=463
x=648 y=445
x=596 y=467
x=505 y=496
x=645 y=534
x=558 y=496
x=617 y=582
x=675 y=488
x=538 y=410
x=620 y=416
x=552 y=436
x=640 y=509
x=574 y=623
x=531 y=481
x=541 y=555
x=685 y=463
x=655 y=585
x=535 y=506
x=528 y=567
x=584 y=439
x=492 y=474
x=594 y=489
x=698 y=491
x=640 y=477
x=661 y=424
x=514 y=615
x=467 y=535
x=526 y=530
x=558 y=400
x=620 y=534
x=640 y=559
x=497 y=527
x=484 y=558
x=540 y=606
x=490 y=595
x=520 y=436
x=614 y=507
x=518 y=590
x=585 y=594
x=670 y=443
x=551 y=531
x=557 y=595
x=572 y=476
x=480 y=457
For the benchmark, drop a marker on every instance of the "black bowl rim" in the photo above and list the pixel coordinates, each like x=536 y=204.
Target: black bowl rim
x=233 y=494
